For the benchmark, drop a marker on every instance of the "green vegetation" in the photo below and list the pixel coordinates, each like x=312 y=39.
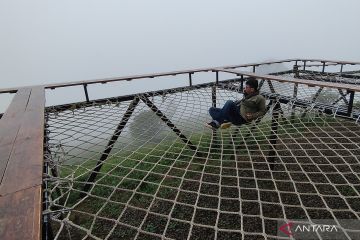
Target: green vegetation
x=145 y=169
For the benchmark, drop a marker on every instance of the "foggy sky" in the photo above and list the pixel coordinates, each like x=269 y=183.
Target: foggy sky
x=59 y=41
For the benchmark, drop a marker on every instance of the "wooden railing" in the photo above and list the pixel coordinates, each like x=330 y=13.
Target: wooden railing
x=21 y=165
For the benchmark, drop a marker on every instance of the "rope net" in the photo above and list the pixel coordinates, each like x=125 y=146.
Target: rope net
x=167 y=176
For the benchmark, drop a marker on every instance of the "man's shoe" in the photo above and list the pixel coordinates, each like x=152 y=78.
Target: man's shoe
x=225 y=125
x=212 y=125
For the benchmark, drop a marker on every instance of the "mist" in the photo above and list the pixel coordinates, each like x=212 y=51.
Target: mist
x=59 y=41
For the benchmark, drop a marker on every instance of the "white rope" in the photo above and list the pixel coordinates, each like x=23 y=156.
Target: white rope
x=152 y=185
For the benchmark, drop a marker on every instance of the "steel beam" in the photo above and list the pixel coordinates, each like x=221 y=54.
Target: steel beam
x=274 y=135
x=213 y=96
x=351 y=103
x=110 y=145
x=86 y=93
x=167 y=121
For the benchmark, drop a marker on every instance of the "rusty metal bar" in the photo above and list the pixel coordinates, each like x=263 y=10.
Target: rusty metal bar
x=110 y=146
x=295 y=90
x=242 y=83
x=213 y=95
x=47 y=232
x=317 y=94
x=162 y=116
x=86 y=92
x=296 y=71
x=274 y=135
x=351 y=103
x=343 y=96
x=294 y=96
x=271 y=86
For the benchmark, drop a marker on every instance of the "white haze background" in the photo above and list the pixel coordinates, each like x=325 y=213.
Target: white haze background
x=60 y=41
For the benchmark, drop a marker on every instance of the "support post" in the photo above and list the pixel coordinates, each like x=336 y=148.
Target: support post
x=351 y=103
x=341 y=69
x=304 y=68
x=217 y=78
x=343 y=97
x=213 y=95
x=110 y=145
x=261 y=84
x=317 y=94
x=190 y=79
x=323 y=67
x=271 y=86
x=296 y=85
x=47 y=231
x=274 y=136
x=86 y=93
x=162 y=116
x=296 y=71
x=242 y=83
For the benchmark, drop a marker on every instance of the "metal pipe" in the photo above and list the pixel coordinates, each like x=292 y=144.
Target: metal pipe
x=242 y=83
x=351 y=103
x=162 y=116
x=86 y=92
x=213 y=95
x=274 y=135
x=110 y=146
x=47 y=232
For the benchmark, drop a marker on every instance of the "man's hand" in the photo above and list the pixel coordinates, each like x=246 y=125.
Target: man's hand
x=249 y=116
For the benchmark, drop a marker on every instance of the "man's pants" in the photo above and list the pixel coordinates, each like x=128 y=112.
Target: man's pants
x=230 y=112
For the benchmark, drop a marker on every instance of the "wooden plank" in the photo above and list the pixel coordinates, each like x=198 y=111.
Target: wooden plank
x=9 y=126
x=350 y=87
x=20 y=214
x=25 y=165
x=330 y=61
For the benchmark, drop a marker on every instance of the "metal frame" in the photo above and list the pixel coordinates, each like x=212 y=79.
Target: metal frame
x=342 y=112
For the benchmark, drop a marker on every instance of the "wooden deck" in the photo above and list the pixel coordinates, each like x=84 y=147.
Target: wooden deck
x=21 y=165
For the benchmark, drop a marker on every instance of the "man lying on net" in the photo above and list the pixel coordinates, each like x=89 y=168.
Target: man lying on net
x=250 y=107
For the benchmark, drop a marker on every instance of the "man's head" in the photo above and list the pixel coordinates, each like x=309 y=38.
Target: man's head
x=251 y=86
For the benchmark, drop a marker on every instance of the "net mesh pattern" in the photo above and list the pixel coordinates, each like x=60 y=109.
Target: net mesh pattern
x=238 y=183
